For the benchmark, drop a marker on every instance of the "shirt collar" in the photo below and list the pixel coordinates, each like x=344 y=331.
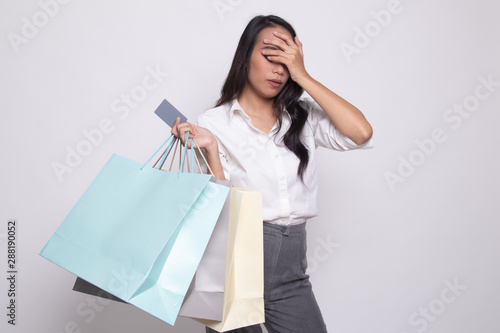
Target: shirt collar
x=236 y=107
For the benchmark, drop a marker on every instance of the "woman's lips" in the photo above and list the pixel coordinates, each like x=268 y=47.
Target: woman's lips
x=275 y=83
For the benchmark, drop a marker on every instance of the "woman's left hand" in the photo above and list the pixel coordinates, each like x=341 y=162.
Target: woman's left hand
x=290 y=54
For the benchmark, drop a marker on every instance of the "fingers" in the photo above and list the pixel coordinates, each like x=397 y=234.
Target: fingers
x=287 y=51
x=285 y=47
x=284 y=37
x=183 y=128
x=299 y=44
x=179 y=130
x=174 y=130
x=279 y=56
x=280 y=44
x=273 y=54
x=283 y=41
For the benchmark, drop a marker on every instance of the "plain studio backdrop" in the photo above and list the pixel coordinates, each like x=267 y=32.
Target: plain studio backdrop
x=407 y=236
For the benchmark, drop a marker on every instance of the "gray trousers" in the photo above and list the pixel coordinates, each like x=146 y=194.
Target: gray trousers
x=289 y=301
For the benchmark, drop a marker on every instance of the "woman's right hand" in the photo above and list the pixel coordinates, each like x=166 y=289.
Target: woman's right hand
x=205 y=139
x=203 y=136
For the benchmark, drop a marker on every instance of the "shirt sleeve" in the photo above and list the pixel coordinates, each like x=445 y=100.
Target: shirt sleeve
x=325 y=133
x=202 y=122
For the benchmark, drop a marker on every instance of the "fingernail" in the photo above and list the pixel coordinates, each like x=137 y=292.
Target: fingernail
x=266 y=40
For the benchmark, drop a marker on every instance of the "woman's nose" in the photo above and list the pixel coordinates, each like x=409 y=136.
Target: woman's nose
x=279 y=69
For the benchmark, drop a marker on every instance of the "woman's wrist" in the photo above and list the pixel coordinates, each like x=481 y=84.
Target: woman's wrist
x=306 y=82
x=213 y=159
x=212 y=149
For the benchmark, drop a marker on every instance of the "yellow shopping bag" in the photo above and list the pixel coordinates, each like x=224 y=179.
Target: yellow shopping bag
x=244 y=281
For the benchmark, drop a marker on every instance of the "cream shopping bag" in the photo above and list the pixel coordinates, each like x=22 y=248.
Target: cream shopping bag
x=244 y=281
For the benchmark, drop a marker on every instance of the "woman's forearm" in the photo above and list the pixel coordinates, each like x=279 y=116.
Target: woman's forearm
x=345 y=116
x=214 y=162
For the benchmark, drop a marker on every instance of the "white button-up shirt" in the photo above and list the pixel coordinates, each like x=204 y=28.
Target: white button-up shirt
x=255 y=160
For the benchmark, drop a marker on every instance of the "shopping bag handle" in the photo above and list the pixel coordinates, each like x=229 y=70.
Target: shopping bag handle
x=196 y=157
x=203 y=156
x=164 y=155
x=166 y=152
x=157 y=150
x=172 y=140
x=183 y=156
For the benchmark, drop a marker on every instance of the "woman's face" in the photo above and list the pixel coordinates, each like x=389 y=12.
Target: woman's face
x=266 y=78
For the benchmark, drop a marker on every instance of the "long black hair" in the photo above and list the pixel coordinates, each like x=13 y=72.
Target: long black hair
x=288 y=97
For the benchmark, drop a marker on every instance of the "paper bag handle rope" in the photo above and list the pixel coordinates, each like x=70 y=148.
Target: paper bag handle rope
x=165 y=153
x=204 y=159
x=171 y=145
x=157 y=150
x=176 y=144
x=196 y=157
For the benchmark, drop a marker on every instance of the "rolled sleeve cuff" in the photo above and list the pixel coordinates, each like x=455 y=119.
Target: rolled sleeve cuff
x=339 y=141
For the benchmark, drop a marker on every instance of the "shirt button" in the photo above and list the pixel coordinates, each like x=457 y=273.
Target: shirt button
x=276 y=156
x=282 y=177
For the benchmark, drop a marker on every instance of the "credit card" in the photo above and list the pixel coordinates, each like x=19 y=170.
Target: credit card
x=168 y=113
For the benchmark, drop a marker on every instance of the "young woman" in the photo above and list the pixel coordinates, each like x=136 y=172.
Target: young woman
x=262 y=136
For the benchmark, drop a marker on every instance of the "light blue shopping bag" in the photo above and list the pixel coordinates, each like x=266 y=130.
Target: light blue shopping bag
x=139 y=233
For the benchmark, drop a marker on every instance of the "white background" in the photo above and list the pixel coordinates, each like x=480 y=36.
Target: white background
x=395 y=247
